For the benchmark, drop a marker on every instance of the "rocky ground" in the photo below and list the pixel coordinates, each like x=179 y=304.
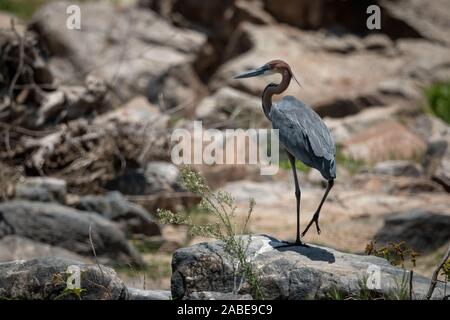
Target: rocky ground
x=85 y=131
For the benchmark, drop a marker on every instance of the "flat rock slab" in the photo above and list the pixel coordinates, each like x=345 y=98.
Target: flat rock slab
x=140 y=294
x=312 y=272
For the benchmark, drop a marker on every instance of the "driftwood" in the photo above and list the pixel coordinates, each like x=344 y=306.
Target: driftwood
x=87 y=155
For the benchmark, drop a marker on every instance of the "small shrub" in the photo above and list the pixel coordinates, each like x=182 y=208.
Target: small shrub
x=220 y=204
x=438 y=99
x=22 y=8
x=396 y=253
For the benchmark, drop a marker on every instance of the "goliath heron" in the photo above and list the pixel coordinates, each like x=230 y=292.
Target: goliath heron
x=302 y=133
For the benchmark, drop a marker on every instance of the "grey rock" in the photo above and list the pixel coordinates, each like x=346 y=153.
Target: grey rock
x=44 y=189
x=397 y=168
x=20 y=248
x=46 y=279
x=114 y=206
x=68 y=228
x=156 y=177
x=284 y=273
x=139 y=294
x=211 y=295
x=437 y=162
x=421 y=230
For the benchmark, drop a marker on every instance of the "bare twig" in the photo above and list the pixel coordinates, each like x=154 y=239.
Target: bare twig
x=26 y=131
x=411 y=274
x=20 y=67
x=93 y=250
x=434 y=278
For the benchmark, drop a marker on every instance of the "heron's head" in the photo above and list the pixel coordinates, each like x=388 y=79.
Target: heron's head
x=271 y=67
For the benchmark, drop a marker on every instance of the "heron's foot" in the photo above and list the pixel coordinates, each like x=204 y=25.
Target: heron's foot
x=297 y=243
x=315 y=219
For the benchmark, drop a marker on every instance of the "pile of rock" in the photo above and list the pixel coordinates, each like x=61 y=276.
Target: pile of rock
x=40 y=221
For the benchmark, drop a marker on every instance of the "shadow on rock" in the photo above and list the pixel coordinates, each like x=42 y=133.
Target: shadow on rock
x=309 y=251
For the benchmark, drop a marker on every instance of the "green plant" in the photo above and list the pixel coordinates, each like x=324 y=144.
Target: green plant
x=363 y=292
x=22 y=8
x=395 y=253
x=286 y=165
x=438 y=100
x=401 y=290
x=336 y=294
x=60 y=279
x=226 y=227
x=446 y=269
x=76 y=292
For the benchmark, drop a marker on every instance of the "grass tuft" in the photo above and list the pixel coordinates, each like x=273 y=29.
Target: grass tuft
x=438 y=100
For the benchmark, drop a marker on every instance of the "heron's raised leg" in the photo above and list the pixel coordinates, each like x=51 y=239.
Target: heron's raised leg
x=315 y=218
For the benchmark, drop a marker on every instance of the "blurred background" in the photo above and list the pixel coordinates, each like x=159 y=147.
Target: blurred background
x=86 y=117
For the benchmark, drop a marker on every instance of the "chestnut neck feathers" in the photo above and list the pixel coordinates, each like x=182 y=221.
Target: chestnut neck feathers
x=273 y=88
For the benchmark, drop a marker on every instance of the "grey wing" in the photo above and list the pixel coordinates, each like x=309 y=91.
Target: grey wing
x=304 y=134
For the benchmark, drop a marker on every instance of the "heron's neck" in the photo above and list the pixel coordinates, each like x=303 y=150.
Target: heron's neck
x=272 y=89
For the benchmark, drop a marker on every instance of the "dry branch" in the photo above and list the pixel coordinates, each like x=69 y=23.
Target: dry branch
x=434 y=278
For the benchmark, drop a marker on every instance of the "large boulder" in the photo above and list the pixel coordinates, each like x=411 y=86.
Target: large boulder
x=128 y=47
x=343 y=128
x=422 y=230
x=114 y=206
x=47 y=278
x=384 y=141
x=287 y=273
x=68 y=228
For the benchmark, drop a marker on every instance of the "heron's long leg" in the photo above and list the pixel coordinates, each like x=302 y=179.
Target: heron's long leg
x=297 y=196
x=317 y=214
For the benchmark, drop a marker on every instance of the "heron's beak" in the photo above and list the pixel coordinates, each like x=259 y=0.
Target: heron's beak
x=254 y=73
